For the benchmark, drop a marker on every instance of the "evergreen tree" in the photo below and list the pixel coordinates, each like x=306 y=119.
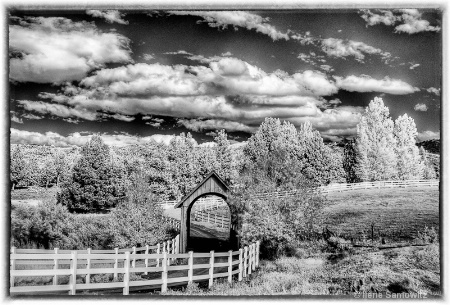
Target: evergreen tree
x=321 y=163
x=375 y=143
x=349 y=161
x=92 y=187
x=409 y=164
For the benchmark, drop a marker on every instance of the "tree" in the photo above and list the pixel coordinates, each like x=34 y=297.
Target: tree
x=138 y=221
x=278 y=222
x=92 y=187
x=409 y=164
x=321 y=164
x=428 y=168
x=224 y=160
x=17 y=171
x=375 y=144
x=349 y=161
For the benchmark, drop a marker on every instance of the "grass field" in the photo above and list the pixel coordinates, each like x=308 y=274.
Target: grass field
x=397 y=214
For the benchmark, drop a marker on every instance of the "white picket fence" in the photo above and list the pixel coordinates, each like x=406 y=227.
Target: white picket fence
x=126 y=262
x=218 y=220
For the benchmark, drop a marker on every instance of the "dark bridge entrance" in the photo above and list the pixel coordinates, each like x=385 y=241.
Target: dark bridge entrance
x=200 y=233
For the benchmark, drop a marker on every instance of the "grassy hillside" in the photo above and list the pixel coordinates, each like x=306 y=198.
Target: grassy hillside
x=397 y=214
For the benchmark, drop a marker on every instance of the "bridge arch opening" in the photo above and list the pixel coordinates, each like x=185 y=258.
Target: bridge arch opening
x=209 y=224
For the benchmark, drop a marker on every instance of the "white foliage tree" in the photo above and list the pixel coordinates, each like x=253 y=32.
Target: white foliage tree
x=375 y=144
x=409 y=164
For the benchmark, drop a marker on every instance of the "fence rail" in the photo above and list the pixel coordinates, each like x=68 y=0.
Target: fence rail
x=218 y=220
x=210 y=203
x=84 y=264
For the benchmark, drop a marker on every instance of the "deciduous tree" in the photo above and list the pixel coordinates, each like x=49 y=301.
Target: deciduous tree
x=375 y=144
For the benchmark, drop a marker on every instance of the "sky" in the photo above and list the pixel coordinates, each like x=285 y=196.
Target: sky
x=134 y=76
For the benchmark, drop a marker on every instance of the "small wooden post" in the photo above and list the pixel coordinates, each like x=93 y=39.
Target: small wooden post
x=88 y=266
x=254 y=257
x=13 y=266
x=211 y=269
x=164 y=273
x=116 y=263
x=257 y=253
x=133 y=264
x=245 y=261
x=240 y=265
x=126 y=275
x=173 y=249
x=250 y=251
x=73 y=274
x=158 y=251
x=230 y=265
x=191 y=266
x=55 y=267
x=146 y=259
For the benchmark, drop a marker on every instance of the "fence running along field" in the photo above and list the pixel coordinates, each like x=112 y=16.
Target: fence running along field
x=210 y=202
x=125 y=262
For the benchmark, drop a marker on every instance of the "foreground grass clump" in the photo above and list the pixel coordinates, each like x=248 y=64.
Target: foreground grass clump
x=410 y=269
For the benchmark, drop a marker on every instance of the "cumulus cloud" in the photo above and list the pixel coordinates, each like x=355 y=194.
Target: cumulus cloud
x=110 y=16
x=58 y=110
x=228 y=76
x=56 y=49
x=365 y=83
x=435 y=91
x=223 y=19
x=340 y=48
x=52 y=138
x=406 y=20
x=428 y=135
x=230 y=126
x=15 y=118
x=420 y=107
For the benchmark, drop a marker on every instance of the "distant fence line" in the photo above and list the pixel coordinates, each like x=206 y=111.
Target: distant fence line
x=218 y=220
x=341 y=187
x=167 y=258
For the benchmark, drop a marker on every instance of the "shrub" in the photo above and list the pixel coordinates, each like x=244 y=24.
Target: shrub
x=428 y=236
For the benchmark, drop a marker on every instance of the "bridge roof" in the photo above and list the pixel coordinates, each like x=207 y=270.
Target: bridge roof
x=212 y=183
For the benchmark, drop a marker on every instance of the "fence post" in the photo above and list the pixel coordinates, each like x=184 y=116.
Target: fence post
x=191 y=266
x=230 y=265
x=73 y=274
x=55 y=267
x=245 y=261
x=250 y=258
x=13 y=266
x=158 y=251
x=126 y=275
x=254 y=257
x=116 y=263
x=146 y=259
x=240 y=265
x=88 y=266
x=173 y=249
x=164 y=273
x=257 y=253
x=211 y=269
x=133 y=264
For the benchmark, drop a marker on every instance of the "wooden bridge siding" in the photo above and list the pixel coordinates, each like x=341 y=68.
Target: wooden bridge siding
x=211 y=186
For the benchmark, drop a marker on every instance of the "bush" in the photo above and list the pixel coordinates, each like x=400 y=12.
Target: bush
x=428 y=236
x=47 y=225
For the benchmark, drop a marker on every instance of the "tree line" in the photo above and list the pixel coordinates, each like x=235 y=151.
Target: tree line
x=95 y=177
